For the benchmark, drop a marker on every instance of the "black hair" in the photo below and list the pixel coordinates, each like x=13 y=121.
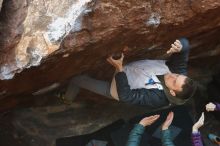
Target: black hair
x=189 y=88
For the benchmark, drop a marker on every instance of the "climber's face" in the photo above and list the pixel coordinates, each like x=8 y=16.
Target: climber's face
x=174 y=82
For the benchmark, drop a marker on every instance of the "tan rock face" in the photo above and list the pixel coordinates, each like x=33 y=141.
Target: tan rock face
x=45 y=26
x=65 y=38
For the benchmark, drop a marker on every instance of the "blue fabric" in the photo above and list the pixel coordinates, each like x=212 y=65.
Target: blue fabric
x=137 y=132
x=135 y=135
x=166 y=138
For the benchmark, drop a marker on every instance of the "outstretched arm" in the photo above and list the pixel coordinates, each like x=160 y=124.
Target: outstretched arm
x=135 y=135
x=179 y=52
x=166 y=135
x=196 y=136
x=138 y=130
x=166 y=138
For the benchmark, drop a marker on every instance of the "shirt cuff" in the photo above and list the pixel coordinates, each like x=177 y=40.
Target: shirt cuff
x=217 y=108
x=196 y=133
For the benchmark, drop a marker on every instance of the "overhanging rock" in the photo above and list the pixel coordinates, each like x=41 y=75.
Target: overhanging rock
x=46 y=42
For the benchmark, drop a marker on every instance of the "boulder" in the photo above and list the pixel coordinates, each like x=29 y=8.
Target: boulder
x=44 y=43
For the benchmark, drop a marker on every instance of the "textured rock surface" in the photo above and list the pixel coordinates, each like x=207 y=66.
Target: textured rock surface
x=1 y=4
x=43 y=125
x=46 y=24
x=64 y=38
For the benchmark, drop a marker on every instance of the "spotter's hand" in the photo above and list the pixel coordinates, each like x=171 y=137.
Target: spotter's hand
x=149 y=120
x=199 y=123
x=210 y=107
x=168 y=121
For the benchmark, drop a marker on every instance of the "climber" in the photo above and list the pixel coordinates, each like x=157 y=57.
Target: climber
x=152 y=83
